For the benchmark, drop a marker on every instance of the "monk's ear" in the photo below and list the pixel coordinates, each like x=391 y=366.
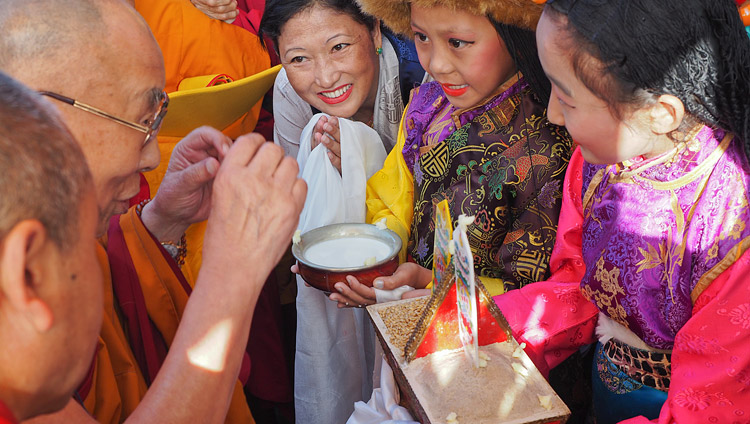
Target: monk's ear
x=667 y=114
x=25 y=261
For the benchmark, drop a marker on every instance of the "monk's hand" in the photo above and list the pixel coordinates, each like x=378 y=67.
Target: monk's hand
x=327 y=132
x=184 y=196
x=257 y=199
x=222 y=10
x=355 y=294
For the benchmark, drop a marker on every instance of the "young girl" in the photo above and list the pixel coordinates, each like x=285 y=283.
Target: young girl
x=477 y=136
x=654 y=225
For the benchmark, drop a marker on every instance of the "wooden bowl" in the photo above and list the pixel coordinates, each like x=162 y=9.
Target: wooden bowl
x=326 y=255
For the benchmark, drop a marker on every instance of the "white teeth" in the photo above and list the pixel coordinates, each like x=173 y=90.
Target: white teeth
x=457 y=87
x=337 y=93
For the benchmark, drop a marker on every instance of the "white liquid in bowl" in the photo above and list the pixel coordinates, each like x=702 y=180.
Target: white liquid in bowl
x=350 y=252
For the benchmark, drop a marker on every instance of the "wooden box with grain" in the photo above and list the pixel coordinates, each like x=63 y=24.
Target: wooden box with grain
x=509 y=389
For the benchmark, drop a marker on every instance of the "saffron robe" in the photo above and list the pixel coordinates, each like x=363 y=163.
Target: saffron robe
x=674 y=273
x=145 y=295
x=195 y=45
x=500 y=161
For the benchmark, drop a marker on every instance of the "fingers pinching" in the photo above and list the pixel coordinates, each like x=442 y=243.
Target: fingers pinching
x=266 y=159
x=322 y=121
x=317 y=138
x=335 y=160
x=244 y=149
x=333 y=132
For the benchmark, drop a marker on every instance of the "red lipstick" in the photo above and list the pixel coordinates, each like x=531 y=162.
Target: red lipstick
x=346 y=92
x=452 y=91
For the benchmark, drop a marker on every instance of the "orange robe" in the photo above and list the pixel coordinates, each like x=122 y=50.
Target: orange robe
x=195 y=45
x=117 y=383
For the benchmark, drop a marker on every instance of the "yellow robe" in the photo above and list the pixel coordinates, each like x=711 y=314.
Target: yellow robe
x=390 y=194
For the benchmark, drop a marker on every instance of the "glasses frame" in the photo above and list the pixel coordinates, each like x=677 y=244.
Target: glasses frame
x=150 y=130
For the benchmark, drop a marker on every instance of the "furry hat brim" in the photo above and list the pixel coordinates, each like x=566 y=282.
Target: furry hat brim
x=396 y=14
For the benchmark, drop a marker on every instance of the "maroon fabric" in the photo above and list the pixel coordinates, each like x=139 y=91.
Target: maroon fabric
x=264 y=126
x=269 y=376
x=6 y=417
x=245 y=367
x=146 y=342
x=142 y=195
x=251 y=12
x=172 y=265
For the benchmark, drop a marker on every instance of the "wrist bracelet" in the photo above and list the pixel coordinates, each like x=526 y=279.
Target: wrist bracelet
x=178 y=251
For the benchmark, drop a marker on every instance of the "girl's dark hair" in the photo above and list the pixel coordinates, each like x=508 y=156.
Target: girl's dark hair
x=521 y=44
x=278 y=12
x=628 y=52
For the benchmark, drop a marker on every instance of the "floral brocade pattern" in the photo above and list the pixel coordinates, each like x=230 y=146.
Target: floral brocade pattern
x=657 y=232
x=504 y=164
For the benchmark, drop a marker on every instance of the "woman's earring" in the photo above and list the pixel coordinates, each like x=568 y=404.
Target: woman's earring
x=378 y=50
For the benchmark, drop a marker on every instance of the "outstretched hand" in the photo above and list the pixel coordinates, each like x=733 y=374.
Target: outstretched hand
x=222 y=10
x=328 y=133
x=354 y=293
x=257 y=199
x=184 y=196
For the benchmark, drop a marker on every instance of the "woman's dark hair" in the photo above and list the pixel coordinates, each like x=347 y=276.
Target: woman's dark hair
x=278 y=12
x=628 y=52
x=521 y=44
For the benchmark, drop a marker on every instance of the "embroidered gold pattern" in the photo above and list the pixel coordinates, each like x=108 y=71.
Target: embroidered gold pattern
x=607 y=300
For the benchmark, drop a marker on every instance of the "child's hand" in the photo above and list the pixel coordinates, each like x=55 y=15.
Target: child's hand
x=354 y=293
x=327 y=132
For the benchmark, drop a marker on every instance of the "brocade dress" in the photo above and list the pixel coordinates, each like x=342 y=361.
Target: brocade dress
x=658 y=248
x=501 y=161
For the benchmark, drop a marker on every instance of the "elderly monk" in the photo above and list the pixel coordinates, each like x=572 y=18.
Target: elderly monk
x=195 y=45
x=48 y=262
x=161 y=357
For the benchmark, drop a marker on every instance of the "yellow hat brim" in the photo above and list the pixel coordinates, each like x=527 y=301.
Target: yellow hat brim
x=218 y=106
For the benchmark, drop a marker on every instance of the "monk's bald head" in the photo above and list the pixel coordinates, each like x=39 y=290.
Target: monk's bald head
x=101 y=53
x=57 y=32
x=33 y=29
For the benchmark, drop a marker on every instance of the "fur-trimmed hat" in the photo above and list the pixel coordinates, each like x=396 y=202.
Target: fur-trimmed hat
x=396 y=14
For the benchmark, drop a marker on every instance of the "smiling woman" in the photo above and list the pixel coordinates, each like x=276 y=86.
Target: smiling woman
x=327 y=68
x=337 y=60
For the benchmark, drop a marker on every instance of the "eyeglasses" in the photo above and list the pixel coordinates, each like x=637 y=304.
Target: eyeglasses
x=150 y=130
